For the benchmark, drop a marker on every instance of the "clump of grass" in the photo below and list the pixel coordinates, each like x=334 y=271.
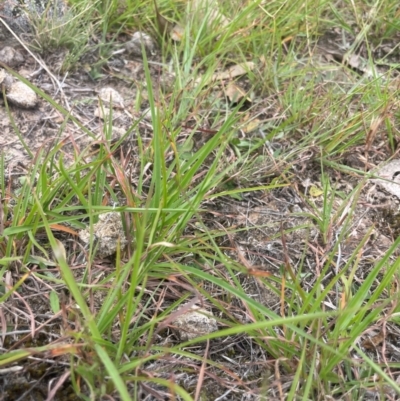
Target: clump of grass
x=60 y=27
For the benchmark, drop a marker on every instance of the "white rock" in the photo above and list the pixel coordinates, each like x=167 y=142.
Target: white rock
x=21 y=95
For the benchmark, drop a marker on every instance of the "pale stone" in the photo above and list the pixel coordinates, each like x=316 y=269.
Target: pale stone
x=22 y=95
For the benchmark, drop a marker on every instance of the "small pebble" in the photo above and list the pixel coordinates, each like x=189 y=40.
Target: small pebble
x=21 y=95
